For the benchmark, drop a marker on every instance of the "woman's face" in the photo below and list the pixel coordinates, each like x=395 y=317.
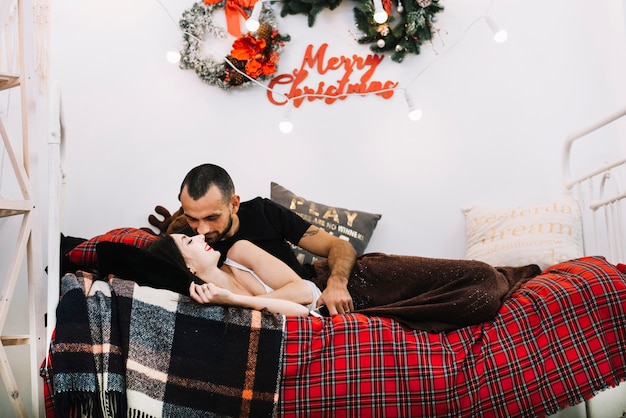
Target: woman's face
x=197 y=253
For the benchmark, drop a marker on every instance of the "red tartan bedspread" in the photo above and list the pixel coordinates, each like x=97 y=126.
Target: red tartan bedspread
x=557 y=341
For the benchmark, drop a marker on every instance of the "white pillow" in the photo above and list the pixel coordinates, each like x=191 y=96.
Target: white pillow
x=516 y=236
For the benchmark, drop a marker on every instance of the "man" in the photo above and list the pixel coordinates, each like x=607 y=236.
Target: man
x=211 y=208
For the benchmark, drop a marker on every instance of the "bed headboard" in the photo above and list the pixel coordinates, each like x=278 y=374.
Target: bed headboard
x=600 y=189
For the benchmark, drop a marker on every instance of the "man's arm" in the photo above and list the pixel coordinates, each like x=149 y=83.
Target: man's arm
x=341 y=257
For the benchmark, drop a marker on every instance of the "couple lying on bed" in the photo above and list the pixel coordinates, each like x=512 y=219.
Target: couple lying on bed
x=422 y=293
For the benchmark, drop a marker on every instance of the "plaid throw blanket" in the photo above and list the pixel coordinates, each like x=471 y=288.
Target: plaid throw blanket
x=558 y=340
x=176 y=358
x=88 y=375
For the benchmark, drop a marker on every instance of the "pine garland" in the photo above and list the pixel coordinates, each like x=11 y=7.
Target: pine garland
x=413 y=26
x=413 y=22
x=308 y=7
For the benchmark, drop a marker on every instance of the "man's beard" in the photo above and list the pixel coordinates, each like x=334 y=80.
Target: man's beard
x=211 y=240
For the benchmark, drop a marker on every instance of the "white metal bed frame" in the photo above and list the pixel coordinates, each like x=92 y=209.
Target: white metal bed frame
x=601 y=195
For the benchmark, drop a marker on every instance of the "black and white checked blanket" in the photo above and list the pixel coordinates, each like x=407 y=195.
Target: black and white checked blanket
x=178 y=358
x=88 y=374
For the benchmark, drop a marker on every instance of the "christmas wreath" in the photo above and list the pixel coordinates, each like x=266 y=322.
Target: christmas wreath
x=413 y=22
x=310 y=8
x=254 y=55
x=414 y=26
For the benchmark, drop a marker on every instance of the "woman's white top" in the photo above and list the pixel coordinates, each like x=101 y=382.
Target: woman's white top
x=316 y=291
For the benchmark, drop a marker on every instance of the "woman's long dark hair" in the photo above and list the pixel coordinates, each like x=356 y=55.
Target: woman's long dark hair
x=166 y=249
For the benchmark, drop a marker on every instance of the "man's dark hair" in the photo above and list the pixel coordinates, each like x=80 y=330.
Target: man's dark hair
x=200 y=179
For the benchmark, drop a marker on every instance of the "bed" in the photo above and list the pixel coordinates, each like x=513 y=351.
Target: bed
x=558 y=341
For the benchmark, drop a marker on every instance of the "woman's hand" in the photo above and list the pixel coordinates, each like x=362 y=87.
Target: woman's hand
x=210 y=293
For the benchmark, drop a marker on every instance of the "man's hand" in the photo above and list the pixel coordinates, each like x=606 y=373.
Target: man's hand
x=341 y=258
x=336 y=297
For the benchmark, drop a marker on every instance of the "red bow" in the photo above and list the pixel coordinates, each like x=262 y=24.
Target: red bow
x=234 y=8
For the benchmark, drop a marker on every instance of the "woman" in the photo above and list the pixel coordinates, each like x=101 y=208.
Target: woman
x=424 y=293
x=238 y=283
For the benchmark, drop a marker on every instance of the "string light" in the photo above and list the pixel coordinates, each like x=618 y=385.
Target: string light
x=380 y=15
x=172 y=56
x=499 y=35
x=415 y=113
x=252 y=23
x=286 y=124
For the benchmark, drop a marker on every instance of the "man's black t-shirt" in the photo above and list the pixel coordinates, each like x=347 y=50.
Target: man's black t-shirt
x=268 y=225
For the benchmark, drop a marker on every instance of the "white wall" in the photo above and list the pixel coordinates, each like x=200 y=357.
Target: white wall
x=495 y=116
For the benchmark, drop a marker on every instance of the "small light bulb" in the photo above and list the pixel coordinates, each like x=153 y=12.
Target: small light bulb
x=500 y=36
x=380 y=16
x=415 y=114
x=172 y=56
x=285 y=126
x=252 y=25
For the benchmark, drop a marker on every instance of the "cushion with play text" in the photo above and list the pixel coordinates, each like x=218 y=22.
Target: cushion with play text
x=543 y=234
x=351 y=225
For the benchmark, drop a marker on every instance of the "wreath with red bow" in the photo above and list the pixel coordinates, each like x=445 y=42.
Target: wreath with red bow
x=253 y=56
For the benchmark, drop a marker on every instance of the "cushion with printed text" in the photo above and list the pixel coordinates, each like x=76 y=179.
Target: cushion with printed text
x=544 y=234
x=351 y=225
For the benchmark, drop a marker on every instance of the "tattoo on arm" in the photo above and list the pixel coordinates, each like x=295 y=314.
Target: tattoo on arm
x=311 y=232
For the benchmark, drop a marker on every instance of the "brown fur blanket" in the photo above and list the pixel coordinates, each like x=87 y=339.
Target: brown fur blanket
x=431 y=294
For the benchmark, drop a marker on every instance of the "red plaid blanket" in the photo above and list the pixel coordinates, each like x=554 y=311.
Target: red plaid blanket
x=556 y=342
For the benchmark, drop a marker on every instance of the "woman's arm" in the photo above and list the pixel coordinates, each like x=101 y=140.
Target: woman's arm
x=211 y=294
x=272 y=271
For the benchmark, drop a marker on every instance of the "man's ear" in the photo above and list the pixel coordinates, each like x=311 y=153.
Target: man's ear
x=235 y=200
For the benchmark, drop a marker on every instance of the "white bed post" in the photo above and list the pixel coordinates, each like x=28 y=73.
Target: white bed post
x=568 y=181
x=589 y=188
x=54 y=208
x=607 y=220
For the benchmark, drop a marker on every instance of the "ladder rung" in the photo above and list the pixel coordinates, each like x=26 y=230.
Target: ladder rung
x=14 y=340
x=8 y=81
